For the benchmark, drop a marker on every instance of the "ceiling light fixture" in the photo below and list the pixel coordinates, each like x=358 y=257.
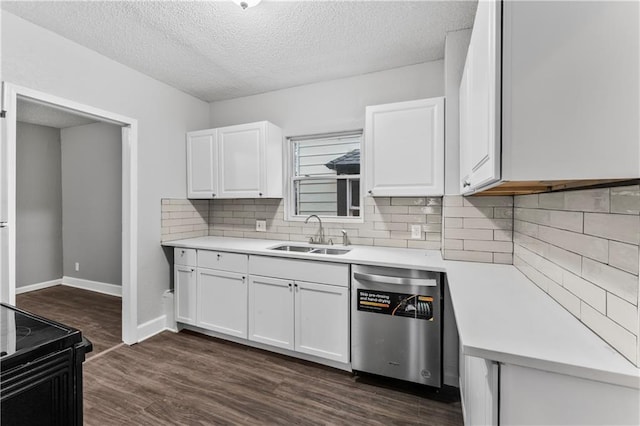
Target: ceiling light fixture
x=245 y=4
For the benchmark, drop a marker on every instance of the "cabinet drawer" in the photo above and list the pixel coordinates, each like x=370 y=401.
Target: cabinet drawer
x=302 y=270
x=183 y=256
x=223 y=261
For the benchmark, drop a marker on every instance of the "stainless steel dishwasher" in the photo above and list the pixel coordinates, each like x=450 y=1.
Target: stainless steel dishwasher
x=396 y=323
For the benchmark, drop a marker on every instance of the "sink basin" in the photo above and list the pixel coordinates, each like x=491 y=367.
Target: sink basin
x=331 y=251
x=312 y=250
x=300 y=249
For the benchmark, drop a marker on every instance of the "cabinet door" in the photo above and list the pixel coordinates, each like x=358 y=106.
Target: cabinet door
x=322 y=320
x=479 y=390
x=271 y=311
x=222 y=302
x=480 y=102
x=242 y=164
x=404 y=148
x=185 y=292
x=202 y=157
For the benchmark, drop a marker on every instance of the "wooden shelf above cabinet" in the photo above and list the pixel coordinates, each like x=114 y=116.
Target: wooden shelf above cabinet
x=539 y=186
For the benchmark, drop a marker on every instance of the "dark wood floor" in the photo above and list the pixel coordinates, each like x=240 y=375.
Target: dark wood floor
x=97 y=315
x=191 y=379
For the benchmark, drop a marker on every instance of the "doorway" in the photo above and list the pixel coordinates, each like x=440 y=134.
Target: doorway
x=128 y=134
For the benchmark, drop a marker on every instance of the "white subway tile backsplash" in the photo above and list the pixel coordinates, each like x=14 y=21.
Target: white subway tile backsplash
x=504 y=258
x=474 y=223
x=486 y=212
x=620 y=338
x=588 y=292
x=490 y=246
x=530 y=201
x=623 y=312
x=541 y=264
x=493 y=201
x=470 y=256
x=616 y=281
x=565 y=298
x=586 y=245
x=625 y=199
x=502 y=235
x=624 y=256
x=469 y=234
x=588 y=200
x=551 y=200
x=619 y=227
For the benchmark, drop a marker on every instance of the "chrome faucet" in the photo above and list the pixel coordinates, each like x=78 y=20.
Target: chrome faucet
x=345 y=238
x=320 y=230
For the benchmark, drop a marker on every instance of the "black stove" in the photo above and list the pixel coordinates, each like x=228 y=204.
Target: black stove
x=40 y=370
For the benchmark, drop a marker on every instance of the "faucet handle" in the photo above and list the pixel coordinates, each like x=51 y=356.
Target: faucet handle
x=310 y=240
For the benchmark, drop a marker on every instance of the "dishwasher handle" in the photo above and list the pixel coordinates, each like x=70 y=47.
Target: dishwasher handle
x=383 y=279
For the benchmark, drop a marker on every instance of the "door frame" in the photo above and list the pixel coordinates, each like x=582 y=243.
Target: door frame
x=10 y=95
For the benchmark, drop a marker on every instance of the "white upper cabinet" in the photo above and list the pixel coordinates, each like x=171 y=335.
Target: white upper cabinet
x=480 y=102
x=245 y=162
x=404 y=148
x=549 y=96
x=202 y=157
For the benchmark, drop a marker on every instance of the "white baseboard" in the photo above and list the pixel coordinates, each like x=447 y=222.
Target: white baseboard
x=38 y=286
x=105 y=288
x=151 y=328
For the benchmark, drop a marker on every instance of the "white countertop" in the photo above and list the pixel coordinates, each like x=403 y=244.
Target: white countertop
x=501 y=315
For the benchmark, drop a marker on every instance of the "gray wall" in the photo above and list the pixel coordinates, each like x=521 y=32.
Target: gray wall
x=335 y=105
x=38 y=204
x=92 y=202
x=39 y=59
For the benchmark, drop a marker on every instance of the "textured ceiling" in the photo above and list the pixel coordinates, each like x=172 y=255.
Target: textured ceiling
x=214 y=50
x=34 y=113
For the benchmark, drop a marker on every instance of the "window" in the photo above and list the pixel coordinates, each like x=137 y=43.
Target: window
x=325 y=175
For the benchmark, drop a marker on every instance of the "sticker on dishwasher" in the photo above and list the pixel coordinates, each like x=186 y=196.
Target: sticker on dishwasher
x=396 y=304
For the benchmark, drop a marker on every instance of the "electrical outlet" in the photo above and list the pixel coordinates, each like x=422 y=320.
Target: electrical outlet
x=261 y=225
x=416 y=232
x=77 y=266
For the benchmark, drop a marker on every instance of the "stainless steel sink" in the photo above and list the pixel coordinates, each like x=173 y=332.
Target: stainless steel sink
x=331 y=251
x=311 y=250
x=300 y=249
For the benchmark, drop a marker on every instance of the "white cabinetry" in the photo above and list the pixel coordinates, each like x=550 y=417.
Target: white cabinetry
x=508 y=394
x=222 y=292
x=243 y=161
x=480 y=101
x=544 y=108
x=479 y=390
x=322 y=320
x=290 y=311
x=271 y=311
x=404 y=148
x=202 y=160
x=184 y=273
x=222 y=301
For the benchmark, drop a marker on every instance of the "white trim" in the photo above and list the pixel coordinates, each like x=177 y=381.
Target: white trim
x=38 y=286
x=129 y=289
x=151 y=328
x=97 y=286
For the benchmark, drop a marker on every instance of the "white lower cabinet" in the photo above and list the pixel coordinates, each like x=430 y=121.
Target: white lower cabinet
x=185 y=293
x=506 y=394
x=322 y=320
x=479 y=386
x=222 y=301
x=310 y=318
x=271 y=301
x=271 y=311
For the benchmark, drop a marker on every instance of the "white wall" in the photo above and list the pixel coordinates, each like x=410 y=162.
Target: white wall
x=455 y=55
x=39 y=59
x=335 y=105
x=92 y=202
x=38 y=204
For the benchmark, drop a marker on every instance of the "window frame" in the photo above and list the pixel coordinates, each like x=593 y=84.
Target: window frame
x=290 y=178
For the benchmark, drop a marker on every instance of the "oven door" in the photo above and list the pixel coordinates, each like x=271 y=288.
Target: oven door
x=396 y=327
